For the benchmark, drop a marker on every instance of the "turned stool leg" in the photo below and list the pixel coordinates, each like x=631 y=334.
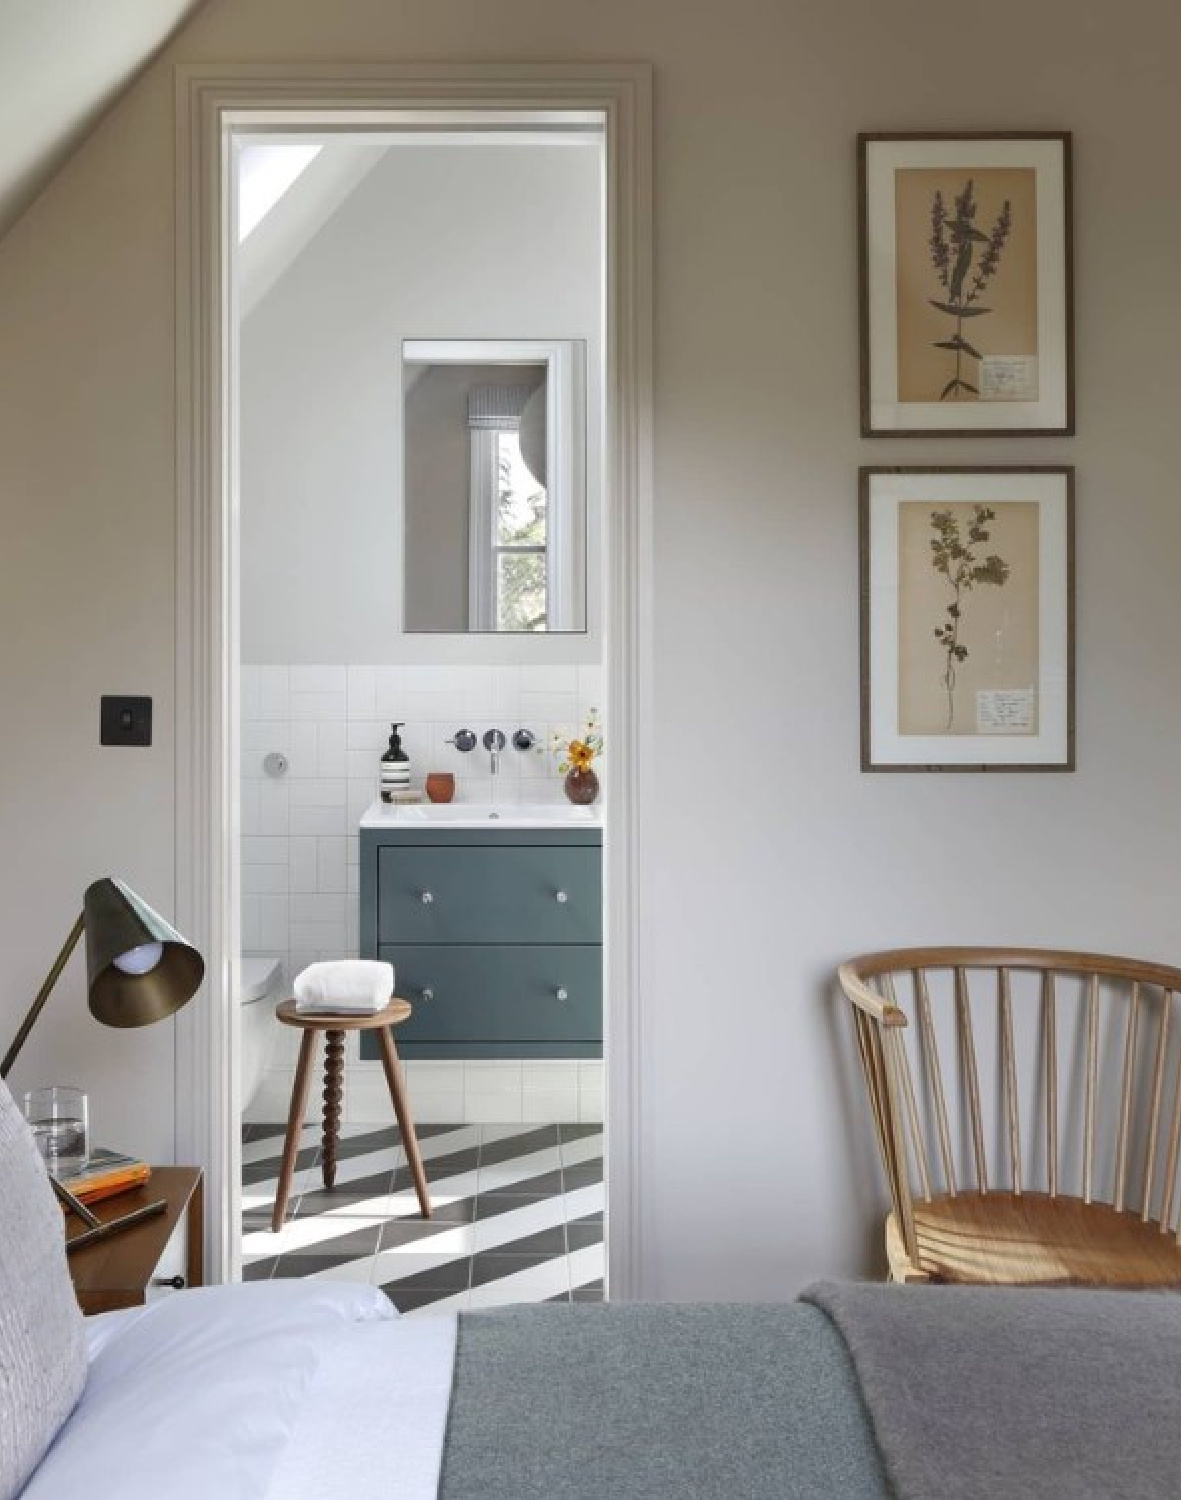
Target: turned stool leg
x=393 y=1076
x=299 y=1103
x=333 y=1092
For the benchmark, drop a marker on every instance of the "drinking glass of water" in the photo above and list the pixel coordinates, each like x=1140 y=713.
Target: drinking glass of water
x=57 y=1116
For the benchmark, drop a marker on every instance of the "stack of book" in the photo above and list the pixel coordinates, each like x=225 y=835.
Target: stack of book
x=105 y=1174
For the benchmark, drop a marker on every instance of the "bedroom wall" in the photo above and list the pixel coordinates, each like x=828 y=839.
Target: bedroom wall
x=760 y=875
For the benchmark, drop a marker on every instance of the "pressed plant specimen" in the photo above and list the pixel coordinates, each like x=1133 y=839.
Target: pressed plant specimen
x=964 y=270
x=959 y=563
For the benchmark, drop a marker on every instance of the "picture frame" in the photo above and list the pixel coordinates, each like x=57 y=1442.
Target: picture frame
x=967 y=619
x=966 y=293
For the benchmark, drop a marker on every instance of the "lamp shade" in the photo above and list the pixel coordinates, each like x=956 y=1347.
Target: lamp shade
x=138 y=967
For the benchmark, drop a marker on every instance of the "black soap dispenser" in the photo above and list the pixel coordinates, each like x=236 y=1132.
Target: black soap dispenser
x=395 y=768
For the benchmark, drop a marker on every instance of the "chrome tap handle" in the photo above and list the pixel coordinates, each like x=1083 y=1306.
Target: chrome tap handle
x=524 y=739
x=463 y=740
x=494 y=739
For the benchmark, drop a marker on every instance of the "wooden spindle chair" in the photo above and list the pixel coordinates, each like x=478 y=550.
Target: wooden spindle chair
x=1052 y=1162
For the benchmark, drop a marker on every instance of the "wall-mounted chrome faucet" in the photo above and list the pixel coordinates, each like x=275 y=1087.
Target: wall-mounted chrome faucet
x=494 y=743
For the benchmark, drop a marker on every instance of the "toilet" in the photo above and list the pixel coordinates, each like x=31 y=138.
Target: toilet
x=258 y=996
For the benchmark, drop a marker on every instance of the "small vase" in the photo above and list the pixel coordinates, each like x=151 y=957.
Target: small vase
x=582 y=787
x=440 y=786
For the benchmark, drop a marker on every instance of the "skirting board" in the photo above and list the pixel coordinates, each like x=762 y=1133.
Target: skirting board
x=442 y=1093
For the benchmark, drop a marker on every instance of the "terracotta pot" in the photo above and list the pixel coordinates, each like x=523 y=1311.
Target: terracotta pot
x=440 y=786
x=582 y=787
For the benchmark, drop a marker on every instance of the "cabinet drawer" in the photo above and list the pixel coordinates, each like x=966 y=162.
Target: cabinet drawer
x=490 y=994
x=473 y=894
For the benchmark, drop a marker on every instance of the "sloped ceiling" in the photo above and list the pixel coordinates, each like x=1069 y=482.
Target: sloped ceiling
x=62 y=63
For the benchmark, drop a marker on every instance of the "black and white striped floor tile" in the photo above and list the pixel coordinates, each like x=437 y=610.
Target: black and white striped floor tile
x=518 y=1214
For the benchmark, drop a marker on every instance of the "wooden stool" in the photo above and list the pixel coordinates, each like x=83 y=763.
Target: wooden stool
x=334 y=1027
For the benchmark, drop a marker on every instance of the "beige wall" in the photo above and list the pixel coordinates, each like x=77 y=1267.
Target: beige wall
x=773 y=859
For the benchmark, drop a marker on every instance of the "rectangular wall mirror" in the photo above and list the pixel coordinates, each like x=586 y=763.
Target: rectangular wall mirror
x=494 y=485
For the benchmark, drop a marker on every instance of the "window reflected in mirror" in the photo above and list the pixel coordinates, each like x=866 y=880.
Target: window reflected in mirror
x=494 y=486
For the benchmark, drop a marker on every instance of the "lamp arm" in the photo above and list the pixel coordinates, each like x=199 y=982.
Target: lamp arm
x=43 y=995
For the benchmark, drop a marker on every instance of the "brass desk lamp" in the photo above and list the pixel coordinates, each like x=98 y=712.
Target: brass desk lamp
x=138 y=970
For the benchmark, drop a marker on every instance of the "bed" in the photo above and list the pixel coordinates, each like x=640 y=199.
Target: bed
x=291 y=1390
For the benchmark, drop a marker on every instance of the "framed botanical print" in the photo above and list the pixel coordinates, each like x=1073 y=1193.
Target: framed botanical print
x=967 y=619
x=966 y=291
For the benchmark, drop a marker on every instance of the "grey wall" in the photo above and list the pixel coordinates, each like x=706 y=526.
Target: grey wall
x=758 y=877
x=436 y=242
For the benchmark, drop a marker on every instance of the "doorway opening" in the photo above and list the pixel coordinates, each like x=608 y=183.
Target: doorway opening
x=221 y=110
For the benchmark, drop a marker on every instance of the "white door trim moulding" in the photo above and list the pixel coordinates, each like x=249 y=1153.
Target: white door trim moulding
x=210 y=101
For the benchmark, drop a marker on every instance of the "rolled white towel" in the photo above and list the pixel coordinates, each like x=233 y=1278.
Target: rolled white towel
x=349 y=986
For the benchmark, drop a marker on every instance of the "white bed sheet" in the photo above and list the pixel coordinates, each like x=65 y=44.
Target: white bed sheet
x=275 y=1391
x=376 y=1416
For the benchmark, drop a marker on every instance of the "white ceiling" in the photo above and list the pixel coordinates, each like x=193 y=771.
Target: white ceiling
x=62 y=63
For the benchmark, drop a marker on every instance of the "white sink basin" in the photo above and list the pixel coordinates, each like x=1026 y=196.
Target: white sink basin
x=481 y=815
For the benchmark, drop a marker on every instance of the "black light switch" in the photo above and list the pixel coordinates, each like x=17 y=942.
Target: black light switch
x=125 y=721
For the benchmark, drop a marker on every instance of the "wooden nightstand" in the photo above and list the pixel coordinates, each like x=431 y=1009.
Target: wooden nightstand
x=158 y=1256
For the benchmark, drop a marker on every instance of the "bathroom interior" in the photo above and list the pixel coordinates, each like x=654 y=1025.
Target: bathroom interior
x=418 y=418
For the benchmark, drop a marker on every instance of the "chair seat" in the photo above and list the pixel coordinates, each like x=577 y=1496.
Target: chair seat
x=1030 y=1239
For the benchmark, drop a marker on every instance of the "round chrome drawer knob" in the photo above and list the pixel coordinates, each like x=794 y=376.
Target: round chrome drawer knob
x=428 y=994
x=562 y=994
x=561 y=898
x=427 y=898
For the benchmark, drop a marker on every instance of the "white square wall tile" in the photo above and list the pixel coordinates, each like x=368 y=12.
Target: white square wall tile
x=264 y=923
x=274 y=692
x=264 y=851
x=326 y=908
x=360 y=795
x=389 y=690
x=361 y=691
x=318 y=791
x=273 y=807
x=370 y=735
x=318 y=706
x=303 y=748
x=549 y=678
x=303 y=863
x=258 y=880
x=318 y=820
x=319 y=679
x=248 y=690
x=265 y=735
x=330 y=749
x=331 y=867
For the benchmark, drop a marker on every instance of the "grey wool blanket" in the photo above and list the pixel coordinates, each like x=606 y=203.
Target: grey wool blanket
x=633 y=1402
x=982 y=1393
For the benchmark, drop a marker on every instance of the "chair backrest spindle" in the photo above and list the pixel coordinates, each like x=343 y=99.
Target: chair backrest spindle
x=1125 y=1101
x=1090 y=1087
x=931 y=1061
x=1050 y=1025
x=1009 y=1078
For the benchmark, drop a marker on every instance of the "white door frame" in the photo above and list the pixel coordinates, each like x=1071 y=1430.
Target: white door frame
x=210 y=98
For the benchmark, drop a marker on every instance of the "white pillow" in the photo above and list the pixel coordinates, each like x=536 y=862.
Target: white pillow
x=42 y=1344
x=197 y=1396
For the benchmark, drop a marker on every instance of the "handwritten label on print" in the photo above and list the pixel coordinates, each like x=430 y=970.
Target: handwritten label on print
x=1005 y=711
x=1008 y=377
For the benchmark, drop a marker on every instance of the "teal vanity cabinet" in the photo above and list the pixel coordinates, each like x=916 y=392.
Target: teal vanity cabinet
x=495 y=935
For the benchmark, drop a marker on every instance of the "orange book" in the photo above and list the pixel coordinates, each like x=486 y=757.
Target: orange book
x=105 y=1174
